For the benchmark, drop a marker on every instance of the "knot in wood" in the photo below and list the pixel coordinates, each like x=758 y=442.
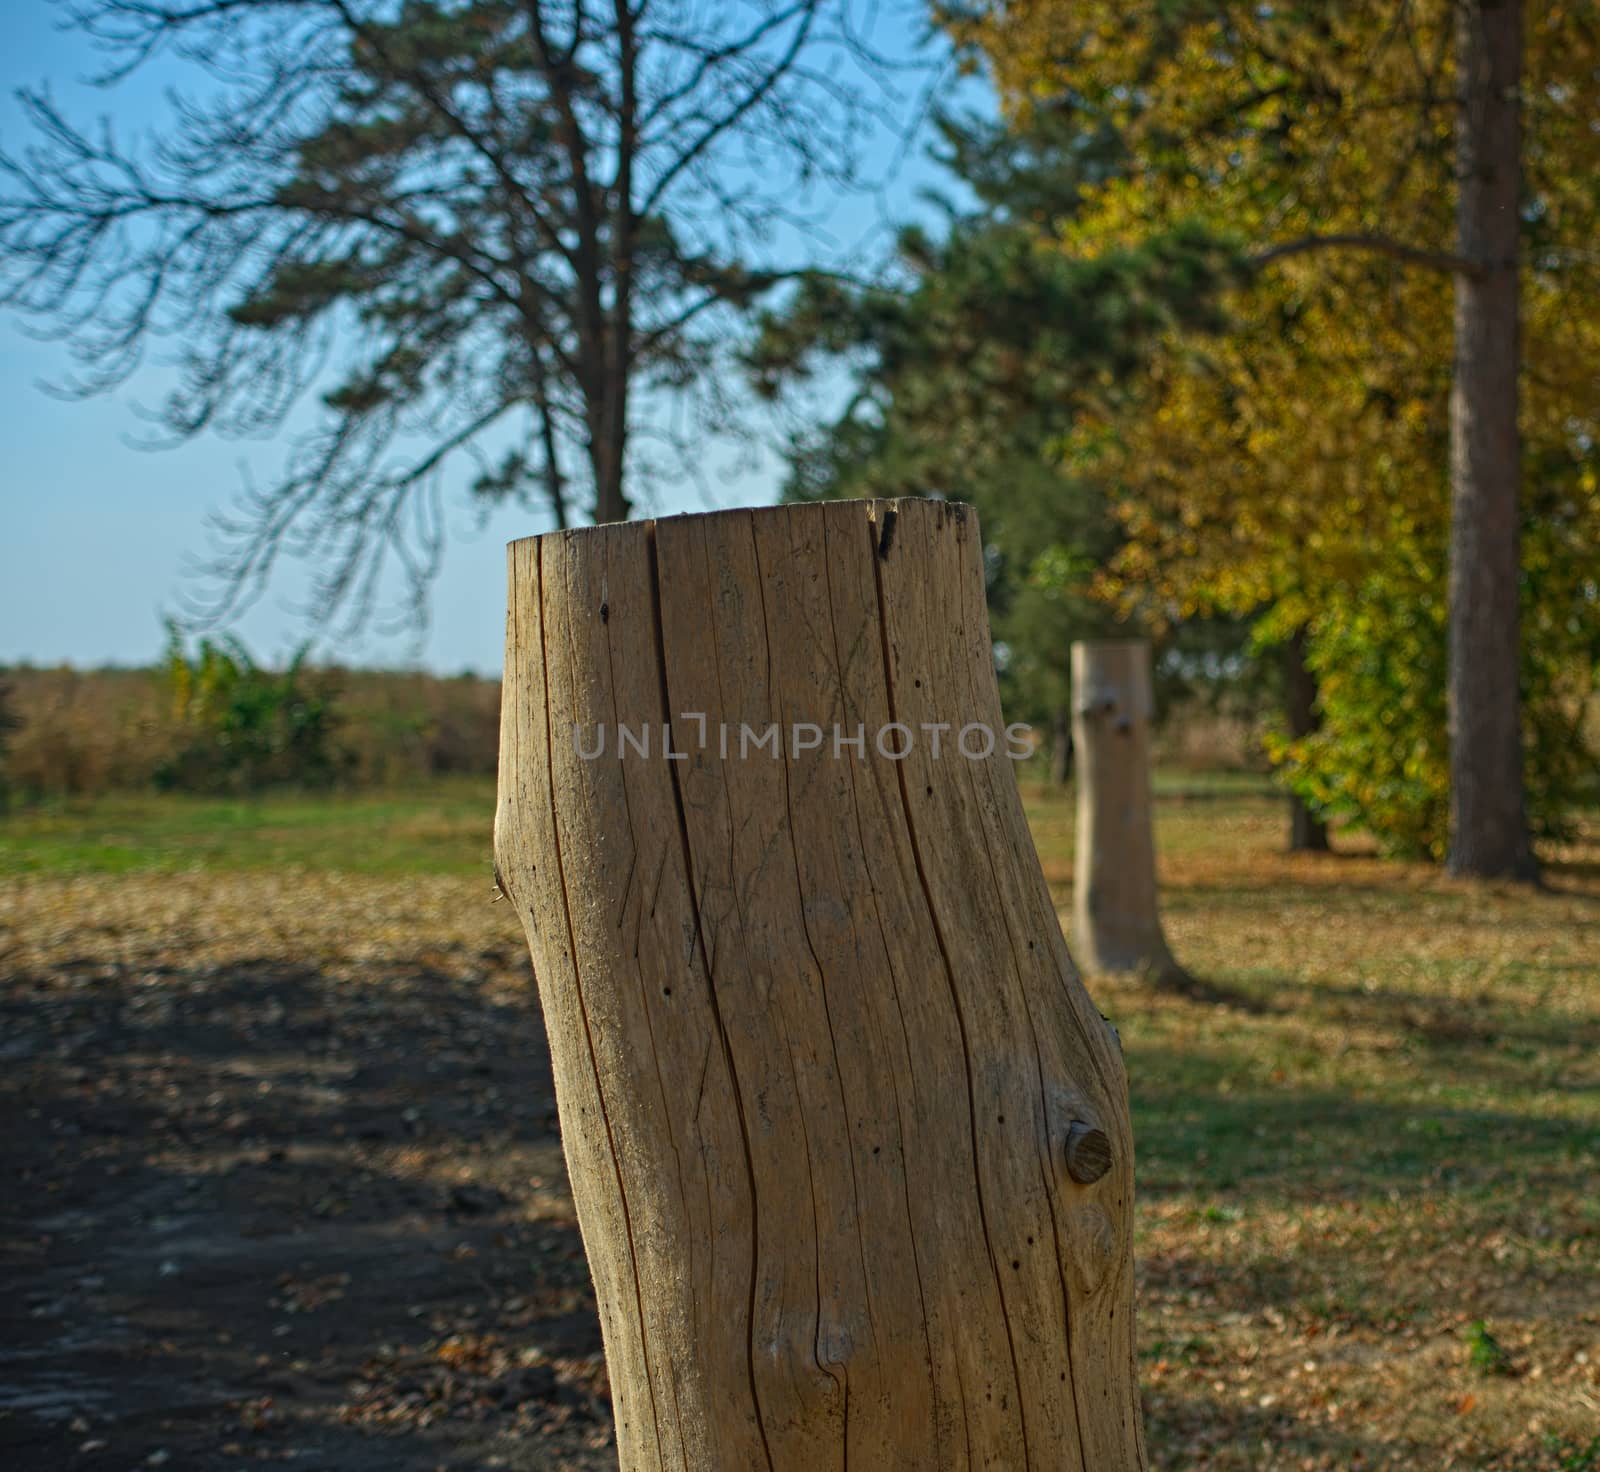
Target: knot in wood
x=1088 y=1153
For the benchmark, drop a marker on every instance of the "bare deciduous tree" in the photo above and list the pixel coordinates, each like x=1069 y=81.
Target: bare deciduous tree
x=479 y=230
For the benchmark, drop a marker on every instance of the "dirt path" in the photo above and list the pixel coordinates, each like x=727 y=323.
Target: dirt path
x=260 y=1211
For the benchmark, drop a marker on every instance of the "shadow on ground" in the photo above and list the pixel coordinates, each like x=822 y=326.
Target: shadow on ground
x=262 y=1213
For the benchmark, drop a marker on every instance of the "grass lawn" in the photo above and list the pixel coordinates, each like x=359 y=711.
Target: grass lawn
x=1369 y=1140
x=1369 y=1174
x=442 y=827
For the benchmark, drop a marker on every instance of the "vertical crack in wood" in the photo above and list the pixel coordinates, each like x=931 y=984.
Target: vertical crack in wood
x=583 y=1007
x=711 y=985
x=843 y=1382
x=644 y=998
x=894 y=989
x=886 y=536
x=955 y=996
x=978 y=700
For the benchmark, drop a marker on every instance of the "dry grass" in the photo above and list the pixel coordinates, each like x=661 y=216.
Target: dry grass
x=1373 y=1128
x=83 y=732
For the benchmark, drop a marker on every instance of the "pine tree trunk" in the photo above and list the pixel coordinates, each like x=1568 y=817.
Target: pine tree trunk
x=848 y=1139
x=1307 y=832
x=1489 y=830
x=1116 y=925
x=606 y=456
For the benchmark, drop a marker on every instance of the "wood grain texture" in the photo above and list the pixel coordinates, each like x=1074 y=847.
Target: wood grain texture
x=818 y=1041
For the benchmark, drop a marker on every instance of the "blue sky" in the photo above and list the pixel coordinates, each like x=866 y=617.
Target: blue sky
x=97 y=531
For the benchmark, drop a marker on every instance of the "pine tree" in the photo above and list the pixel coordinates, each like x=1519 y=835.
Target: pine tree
x=976 y=358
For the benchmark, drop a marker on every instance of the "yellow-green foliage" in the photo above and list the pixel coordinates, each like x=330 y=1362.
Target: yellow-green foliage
x=1296 y=466
x=243 y=727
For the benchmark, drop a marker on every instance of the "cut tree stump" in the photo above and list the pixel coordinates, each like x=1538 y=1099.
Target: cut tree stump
x=848 y=1140
x=1116 y=923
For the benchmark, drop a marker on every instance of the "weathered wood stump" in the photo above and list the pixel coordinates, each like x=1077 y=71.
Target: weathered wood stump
x=1116 y=922
x=848 y=1139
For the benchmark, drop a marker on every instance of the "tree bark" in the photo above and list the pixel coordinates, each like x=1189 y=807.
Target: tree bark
x=848 y=1139
x=1115 y=921
x=1307 y=832
x=1488 y=821
x=607 y=455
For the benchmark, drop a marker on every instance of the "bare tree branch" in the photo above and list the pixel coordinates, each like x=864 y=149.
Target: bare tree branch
x=416 y=235
x=1377 y=244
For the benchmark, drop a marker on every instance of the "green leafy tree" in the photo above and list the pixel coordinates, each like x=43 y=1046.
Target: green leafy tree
x=1439 y=153
x=964 y=370
x=244 y=728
